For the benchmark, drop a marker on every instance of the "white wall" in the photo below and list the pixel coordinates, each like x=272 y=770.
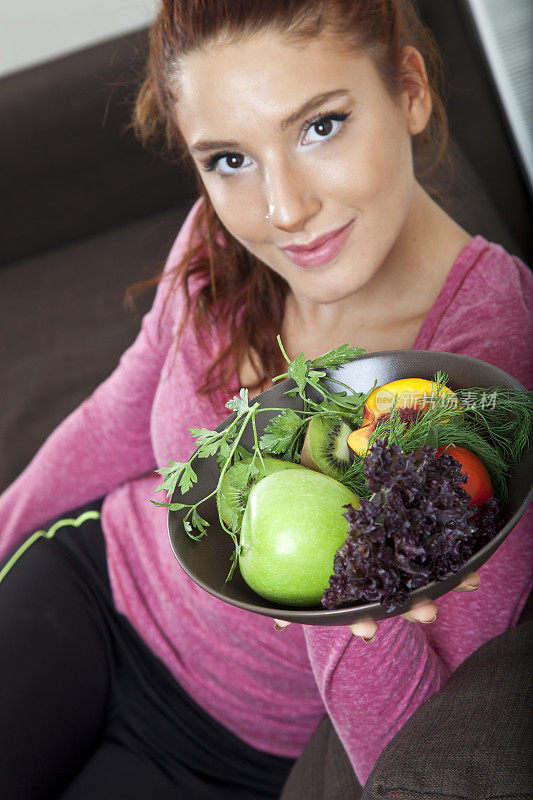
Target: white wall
x=32 y=31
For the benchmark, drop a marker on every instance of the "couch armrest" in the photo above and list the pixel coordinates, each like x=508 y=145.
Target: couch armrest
x=470 y=741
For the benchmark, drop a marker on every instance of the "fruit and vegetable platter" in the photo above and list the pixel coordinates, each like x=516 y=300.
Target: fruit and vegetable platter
x=355 y=486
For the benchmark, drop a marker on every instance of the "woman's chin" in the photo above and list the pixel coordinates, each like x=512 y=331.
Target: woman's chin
x=325 y=289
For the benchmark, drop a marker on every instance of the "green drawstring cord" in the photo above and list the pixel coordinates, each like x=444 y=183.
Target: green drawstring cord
x=61 y=523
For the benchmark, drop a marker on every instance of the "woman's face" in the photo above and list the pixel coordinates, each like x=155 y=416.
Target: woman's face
x=299 y=145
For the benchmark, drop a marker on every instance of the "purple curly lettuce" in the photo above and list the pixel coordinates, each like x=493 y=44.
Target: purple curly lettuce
x=416 y=528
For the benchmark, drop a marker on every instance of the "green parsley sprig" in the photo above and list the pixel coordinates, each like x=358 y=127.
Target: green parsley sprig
x=225 y=445
x=311 y=373
x=282 y=435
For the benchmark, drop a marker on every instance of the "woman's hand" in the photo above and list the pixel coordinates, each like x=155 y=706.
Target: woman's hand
x=425 y=612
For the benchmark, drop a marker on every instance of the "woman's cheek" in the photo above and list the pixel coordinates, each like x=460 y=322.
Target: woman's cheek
x=243 y=223
x=351 y=173
x=333 y=177
x=236 y=206
x=383 y=164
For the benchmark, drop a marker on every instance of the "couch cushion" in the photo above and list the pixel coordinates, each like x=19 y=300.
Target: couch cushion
x=64 y=326
x=323 y=771
x=70 y=169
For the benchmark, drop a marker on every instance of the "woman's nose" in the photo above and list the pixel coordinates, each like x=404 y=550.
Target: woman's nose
x=291 y=199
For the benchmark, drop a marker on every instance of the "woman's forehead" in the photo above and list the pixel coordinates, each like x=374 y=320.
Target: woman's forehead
x=264 y=75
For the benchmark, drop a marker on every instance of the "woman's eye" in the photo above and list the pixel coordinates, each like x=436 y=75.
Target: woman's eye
x=325 y=127
x=227 y=163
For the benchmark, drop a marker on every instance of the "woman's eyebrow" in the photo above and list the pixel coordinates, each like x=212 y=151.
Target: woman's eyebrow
x=213 y=144
x=311 y=104
x=317 y=100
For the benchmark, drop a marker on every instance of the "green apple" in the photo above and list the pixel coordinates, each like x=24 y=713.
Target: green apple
x=235 y=486
x=292 y=527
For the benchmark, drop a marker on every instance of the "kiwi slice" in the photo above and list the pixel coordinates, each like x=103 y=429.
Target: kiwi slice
x=237 y=484
x=325 y=448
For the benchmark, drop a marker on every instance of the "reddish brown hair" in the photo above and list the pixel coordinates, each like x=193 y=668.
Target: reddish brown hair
x=236 y=286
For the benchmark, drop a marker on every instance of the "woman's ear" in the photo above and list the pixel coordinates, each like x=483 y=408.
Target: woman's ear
x=415 y=91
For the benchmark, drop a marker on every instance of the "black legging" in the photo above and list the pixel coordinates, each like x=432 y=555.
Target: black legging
x=87 y=711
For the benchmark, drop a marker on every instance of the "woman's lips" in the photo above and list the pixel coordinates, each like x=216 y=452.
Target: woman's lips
x=321 y=251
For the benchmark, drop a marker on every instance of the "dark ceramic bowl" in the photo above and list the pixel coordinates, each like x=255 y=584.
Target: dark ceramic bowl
x=207 y=561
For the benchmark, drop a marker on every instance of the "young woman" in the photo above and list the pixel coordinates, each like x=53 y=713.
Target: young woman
x=121 y=677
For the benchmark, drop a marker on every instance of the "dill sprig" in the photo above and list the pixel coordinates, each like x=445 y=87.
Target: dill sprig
x=504 y=416
x=354 y=478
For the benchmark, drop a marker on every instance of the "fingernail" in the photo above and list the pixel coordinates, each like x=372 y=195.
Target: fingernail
x=469 y=587
x=429 y=621
x=280 y=627
x=367 y=640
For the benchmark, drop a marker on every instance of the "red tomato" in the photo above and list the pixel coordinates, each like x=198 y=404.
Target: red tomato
x=478 y=483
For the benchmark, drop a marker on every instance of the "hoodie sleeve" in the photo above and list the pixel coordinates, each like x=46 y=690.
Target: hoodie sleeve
x=106 y=440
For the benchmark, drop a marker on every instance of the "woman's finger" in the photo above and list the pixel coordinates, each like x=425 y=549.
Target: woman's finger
x=365 y=630
x=425 y=612
x=470 y=583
